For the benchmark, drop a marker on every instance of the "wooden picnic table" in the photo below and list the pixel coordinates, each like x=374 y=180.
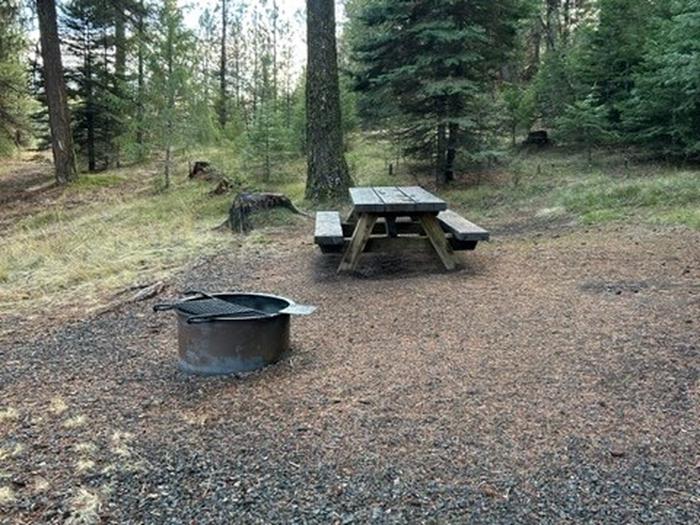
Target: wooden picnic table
x=390 y=203
x=390 y=217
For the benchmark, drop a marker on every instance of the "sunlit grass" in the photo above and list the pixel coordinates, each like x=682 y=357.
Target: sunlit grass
x=83 y=253
x=114 y=229
x=7 y=495
x=8 y=414
x=85 y=507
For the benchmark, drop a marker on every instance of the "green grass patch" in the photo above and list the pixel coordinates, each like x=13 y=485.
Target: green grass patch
x=98 y=180
x=604 y=199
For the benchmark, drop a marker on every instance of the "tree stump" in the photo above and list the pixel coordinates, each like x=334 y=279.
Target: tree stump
x=537 y=138
x=244 y=204
x=203 y=170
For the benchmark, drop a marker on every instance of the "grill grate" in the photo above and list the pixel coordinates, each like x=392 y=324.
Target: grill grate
x=216 y=307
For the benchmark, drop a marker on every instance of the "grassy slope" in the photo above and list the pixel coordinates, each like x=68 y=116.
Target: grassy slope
x=113 y=229
x=559 y=182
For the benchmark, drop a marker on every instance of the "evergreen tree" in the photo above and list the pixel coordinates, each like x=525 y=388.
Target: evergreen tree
x=616 y=49
x=171 y=66
x=664 y=109
x=431 y=60
x=91 y=79
x=518 y=108
x=13 y=79
x=585 y=123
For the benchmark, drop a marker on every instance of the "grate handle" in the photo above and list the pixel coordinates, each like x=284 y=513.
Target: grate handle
x=162 y=307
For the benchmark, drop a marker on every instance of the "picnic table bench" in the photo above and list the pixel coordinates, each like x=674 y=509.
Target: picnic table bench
x=385 y=216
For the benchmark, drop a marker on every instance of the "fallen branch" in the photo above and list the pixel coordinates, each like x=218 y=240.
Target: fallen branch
x=144 y=292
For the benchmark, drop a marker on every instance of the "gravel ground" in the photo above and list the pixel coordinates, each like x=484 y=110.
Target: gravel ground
x=553 y=379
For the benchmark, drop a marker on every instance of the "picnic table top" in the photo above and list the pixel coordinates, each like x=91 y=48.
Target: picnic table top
x=378 y=199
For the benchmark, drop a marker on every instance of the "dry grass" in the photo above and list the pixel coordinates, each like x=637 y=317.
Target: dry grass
x=7 y=495
x=8 y=414
x=120 y=444
x=75 y=422
x=57 y=406
x=84 y=465
x=107 y=233
x=85 y=448
x=84 y=508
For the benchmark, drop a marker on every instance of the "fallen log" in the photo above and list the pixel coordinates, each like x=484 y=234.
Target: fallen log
x=203 y=170
x=244 y=204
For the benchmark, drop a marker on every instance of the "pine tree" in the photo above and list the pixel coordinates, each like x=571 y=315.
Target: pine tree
x=430 y=61
x=585 y=123
x=616 y=49
x=171 y=66
x=664 y=110
x=86 y=23
x=13 y=79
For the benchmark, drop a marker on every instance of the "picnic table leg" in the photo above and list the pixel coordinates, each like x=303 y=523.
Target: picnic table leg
x=438 y=240
x=391 y=227
x=363 y=230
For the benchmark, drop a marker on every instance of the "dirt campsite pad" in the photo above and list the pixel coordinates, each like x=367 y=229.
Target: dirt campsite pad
x=553 y=379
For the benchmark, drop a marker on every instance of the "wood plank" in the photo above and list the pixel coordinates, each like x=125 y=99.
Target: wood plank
x=329 y=230
x=461 y=228
x=398 y=245
x=425 y=201
x=395 y=200
x=366 y=200
x=461 y=245
x=380 y=228
x=362 y=232
x=439 y=240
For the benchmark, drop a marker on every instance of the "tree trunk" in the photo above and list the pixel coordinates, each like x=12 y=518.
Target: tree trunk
x=168 y=162
x=566 y=26
x=452 y=141
x=119 y=69
x=275 y=15
x=223 y=65
x=441 y=155
x=169 y=52
x=89 y=106
x=551 y=19
x=140 y=81
x=327 y=171
x=59 y=118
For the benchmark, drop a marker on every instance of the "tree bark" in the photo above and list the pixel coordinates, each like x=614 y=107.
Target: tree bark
x=169 y=57
x=441 y=155
x=223 y=66
x=119 y=69
x=452 y=141
x=327 y=171
x=551 y=23
x=89 y=104
x=59 y=117
x=140 y=109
